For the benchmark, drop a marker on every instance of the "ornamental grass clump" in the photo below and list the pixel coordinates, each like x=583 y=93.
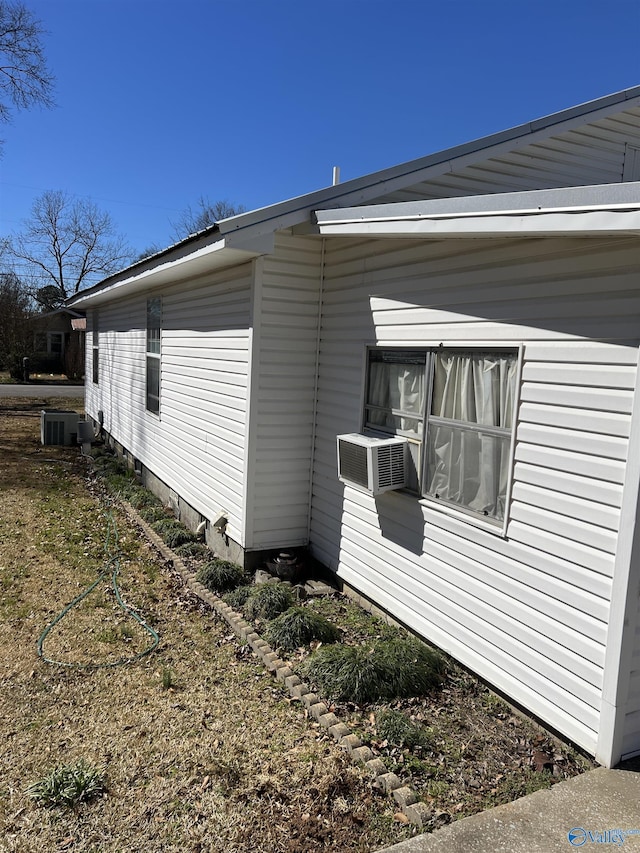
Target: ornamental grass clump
x=194 y=550
x=221 y=576
x=374 y=672
x=153 y=513
x=121 y=483
x=396 y=728
x=412 y=667
x=141 y=497
x=172 y=532
x=68 y=785
x=237 y=598
x=346 y=673
x=268 y=601
x=298 y=626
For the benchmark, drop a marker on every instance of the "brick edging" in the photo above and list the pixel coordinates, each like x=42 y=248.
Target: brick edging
x=416 y=811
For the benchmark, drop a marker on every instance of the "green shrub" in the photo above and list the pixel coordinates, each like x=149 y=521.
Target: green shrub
x=399 y=730
x=220 y=575
x=268 y=601
x=387 y=669
x=412 y=667
x=298 y=626
x=68 y=785
x=173 y=532
x=237 y=597
x=141 y=497
x=346 y=672
x=153 y=513
x=195 y=550
x=121 y=483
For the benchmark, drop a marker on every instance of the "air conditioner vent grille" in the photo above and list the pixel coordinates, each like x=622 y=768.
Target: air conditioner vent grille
x=353 y=463
x=391 y=466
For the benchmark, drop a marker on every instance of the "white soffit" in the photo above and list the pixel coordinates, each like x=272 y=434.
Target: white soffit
x=609 y=209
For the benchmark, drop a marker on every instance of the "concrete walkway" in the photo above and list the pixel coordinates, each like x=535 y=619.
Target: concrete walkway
x=38 y=391
x=599 y=810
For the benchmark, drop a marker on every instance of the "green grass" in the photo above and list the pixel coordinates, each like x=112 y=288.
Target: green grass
x=194 y=550
x=298 y=626
x=221 y=576
x=172 y=532
x=237 y=597
x=268 y=601
x=351 y=617
x=374 y=672
x=68 y=785
x=399 y=730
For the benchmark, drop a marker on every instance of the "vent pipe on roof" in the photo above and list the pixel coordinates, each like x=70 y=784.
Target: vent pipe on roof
x=336 y=175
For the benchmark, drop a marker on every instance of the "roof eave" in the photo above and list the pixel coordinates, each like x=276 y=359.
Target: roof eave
x=612 y=209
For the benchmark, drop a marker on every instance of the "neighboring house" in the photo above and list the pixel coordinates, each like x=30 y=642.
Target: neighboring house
x=57 y=337
x=483 y=305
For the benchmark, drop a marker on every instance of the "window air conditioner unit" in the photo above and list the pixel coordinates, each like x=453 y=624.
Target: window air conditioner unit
x=375 y=465
x=58 y=426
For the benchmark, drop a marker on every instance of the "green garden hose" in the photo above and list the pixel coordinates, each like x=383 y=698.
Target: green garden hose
x=112 y=564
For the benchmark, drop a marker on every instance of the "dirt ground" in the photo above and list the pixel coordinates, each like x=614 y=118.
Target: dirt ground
x=201 y=749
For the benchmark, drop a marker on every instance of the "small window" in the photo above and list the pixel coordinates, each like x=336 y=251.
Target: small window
x=56 y=340
x=154 y=326
x=456 y=410
x=95 y=352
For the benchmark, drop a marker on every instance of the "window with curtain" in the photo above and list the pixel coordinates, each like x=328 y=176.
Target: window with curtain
x=456 y=410
x=154 y=325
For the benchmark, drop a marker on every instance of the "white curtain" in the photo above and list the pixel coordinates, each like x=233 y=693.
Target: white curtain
x=466 y=466
x=398 y=387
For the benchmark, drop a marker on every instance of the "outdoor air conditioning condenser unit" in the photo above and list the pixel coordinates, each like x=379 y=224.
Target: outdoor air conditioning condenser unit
x=375 y=465
x=58 y=426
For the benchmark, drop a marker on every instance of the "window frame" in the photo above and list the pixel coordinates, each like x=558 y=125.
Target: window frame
x=153 y=356
x=95 y=347
x=493 y=525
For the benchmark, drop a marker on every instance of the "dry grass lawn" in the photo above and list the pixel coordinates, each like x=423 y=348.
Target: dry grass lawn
x=201 y=749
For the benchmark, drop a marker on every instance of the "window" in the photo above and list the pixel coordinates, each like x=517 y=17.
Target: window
x=154 y=325
x=95 y=353
x=456 y=409
x=55 y=343
x=49 y=343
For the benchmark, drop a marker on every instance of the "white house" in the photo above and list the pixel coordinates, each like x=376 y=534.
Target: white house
x=482 y=305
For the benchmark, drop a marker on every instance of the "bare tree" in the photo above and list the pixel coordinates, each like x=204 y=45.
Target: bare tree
x=68 y=243
x=203 y=215
x=15 y=313
x=25 y=80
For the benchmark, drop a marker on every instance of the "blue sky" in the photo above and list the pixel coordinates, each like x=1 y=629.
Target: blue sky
x=254 y=101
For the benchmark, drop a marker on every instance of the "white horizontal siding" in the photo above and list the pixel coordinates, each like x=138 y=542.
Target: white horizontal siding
x=528 y=612
x=197 y=445
x=286 y=322
x=631 y=736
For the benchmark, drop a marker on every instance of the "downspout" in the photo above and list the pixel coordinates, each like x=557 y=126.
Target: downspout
x=315 y=388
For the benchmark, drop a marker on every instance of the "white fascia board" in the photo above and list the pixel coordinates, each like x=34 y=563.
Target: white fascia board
x=520 y=224
x=572 y=211
x=226 y=252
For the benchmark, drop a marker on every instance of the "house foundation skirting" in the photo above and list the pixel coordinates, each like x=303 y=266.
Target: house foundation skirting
x=220 y=544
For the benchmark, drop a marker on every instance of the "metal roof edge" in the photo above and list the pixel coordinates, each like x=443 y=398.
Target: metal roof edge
x=295 y=210
x=315 y=198
x=559 y=197
x=143 y=264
